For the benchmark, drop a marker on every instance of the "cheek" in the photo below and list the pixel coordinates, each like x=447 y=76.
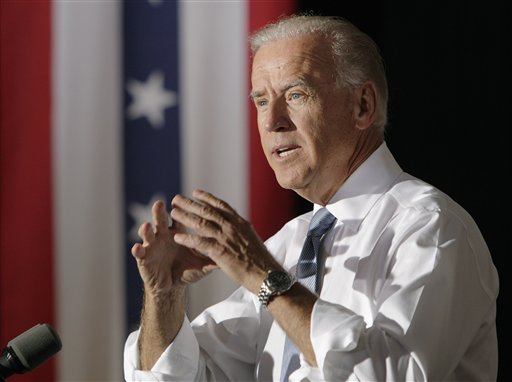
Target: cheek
x=307 y=121
x=261 y=128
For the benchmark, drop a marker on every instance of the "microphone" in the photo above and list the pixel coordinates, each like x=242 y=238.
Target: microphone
x=29 y=350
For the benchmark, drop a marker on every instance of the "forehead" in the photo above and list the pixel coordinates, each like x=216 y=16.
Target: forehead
x=307 y=57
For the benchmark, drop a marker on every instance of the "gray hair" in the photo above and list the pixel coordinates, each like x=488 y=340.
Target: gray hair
x=356 y=54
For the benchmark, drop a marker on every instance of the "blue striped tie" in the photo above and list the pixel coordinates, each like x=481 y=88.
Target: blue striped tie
x=309 y=269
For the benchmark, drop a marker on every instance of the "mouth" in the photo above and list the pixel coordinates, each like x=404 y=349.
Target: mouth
x=284 y=151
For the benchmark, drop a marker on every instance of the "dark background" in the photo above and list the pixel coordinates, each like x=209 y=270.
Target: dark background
x=449 y=112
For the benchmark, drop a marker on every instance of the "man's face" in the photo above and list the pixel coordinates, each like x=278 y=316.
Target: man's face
x=305 y=119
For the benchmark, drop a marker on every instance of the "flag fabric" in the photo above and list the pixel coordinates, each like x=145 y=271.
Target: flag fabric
x=152 y=163
x=106 y=107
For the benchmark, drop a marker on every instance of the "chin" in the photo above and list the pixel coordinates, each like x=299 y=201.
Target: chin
x=292 y=180
x=283 y=183
x=289 y=184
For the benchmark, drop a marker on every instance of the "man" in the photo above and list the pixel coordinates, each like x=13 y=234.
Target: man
x=402 y=285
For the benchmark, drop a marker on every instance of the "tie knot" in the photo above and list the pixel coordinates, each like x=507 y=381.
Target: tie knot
x=321 y=222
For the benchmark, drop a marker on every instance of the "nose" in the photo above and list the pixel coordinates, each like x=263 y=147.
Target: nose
x=276 y=117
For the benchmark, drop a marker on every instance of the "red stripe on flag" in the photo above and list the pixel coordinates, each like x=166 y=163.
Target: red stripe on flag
x=270 y=206
x=26 y=264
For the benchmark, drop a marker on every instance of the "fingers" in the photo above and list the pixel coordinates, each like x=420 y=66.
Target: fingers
x=146 y=233
x=138 y=251
x=213 y=201
x=212 y=220
x=193 y=275
x=160 y=217
x=199 y=224
x=207 y=214
x=160 y=220
x=203 y=245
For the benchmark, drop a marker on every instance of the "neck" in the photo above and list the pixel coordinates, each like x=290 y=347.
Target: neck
x=366 y=144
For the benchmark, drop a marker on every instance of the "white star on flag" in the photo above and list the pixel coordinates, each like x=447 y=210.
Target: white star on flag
x=150 y=99
x=141 y=213
x=155 y=3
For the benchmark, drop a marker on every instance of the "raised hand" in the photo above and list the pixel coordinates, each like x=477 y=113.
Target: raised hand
x=164 y=264
x=217 y=231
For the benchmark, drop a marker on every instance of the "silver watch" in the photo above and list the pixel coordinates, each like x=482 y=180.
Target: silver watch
x=276 y=283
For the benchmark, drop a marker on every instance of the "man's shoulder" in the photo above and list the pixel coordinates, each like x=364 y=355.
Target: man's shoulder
x=412 y=192
x=413 y=195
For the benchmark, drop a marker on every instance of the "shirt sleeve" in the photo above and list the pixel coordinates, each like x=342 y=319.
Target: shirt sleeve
x=179 y=362
x=220 y=344
x=435 y=296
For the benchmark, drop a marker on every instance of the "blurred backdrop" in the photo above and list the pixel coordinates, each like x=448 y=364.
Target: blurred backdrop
x=107 y=106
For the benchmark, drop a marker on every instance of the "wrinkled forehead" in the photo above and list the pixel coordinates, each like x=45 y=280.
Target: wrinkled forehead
x=305 y=54
x=314 y=46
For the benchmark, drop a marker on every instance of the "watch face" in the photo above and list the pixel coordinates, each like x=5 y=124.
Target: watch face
x=278 y=279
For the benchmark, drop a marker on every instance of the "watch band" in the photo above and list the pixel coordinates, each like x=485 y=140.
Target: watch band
x=264 y=294
x=276 y=283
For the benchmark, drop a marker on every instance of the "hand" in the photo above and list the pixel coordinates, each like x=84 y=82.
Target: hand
x=163 y=264
x=217 y=231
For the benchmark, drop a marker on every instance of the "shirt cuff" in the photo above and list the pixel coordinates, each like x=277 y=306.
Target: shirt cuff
x=333 y=328
x=178 y=362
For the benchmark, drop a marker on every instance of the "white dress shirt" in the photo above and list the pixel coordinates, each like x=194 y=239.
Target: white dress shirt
x=409 y=294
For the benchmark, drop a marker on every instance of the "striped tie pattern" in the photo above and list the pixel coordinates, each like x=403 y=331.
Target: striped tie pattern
x=308 y=273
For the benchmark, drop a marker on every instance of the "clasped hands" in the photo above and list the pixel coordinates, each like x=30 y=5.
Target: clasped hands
x=206 y=233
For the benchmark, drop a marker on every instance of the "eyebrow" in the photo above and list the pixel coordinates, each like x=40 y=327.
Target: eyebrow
x=298 y=82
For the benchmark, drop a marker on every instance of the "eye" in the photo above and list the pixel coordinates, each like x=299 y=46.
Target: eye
x=296 y=97
x=260 y=102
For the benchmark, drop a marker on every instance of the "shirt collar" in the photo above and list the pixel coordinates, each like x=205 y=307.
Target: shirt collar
x=355 y=198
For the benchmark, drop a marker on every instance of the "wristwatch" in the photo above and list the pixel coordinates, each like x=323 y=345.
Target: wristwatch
x=276 y=283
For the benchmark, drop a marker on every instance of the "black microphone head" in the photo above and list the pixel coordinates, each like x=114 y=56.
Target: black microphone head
x=36 y=345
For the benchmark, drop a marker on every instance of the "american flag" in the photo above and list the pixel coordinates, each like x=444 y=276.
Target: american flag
x=105 y=107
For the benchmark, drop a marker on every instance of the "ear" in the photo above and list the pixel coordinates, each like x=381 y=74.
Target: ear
x=365 y=99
